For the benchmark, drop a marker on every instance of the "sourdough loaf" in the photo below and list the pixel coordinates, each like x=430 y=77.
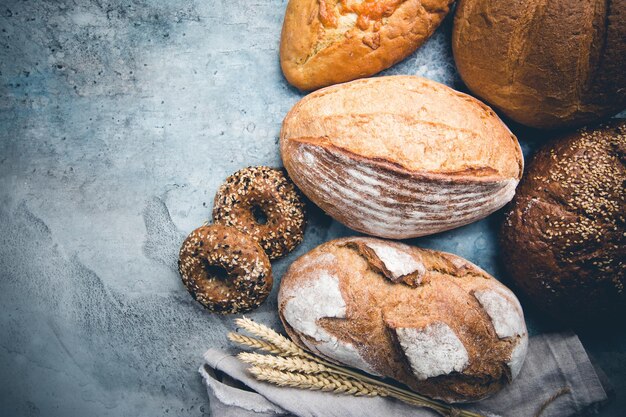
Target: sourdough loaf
x=546 y=64
x=400 y=156
x=326 y=42
x=431 y=320
x=564 y=237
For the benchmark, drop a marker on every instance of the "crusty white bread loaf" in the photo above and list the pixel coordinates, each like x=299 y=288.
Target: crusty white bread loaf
x=428 y=319
x=400 y=156
x=326 y=42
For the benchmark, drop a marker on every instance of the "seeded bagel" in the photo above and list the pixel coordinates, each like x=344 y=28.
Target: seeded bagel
x=225 y=270
x=262 y=202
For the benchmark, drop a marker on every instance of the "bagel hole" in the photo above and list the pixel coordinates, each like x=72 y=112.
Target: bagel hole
x=216 y=271
x=259 y=215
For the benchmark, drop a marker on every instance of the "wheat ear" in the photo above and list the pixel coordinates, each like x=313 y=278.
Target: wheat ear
x=269 y=335
x=254 y=343
x=291 y=363
x=320 y=382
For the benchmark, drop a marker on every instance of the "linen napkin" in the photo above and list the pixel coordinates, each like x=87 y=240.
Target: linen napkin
x=556 y=364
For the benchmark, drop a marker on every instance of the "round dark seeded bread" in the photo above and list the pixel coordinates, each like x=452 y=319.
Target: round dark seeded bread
x=563 y=238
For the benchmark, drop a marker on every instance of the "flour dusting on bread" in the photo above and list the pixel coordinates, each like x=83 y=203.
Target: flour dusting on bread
x=303 y=316
x=433 y=350
x=505 y=313
x=397 y=262
x=429 y=319
x=518 y=355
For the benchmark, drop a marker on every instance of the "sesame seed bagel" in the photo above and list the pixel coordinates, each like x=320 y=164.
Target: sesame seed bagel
x=225 y=270
x=266 y=192
x=564 y=235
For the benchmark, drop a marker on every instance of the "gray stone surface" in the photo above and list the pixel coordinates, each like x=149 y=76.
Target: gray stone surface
x=118 y=121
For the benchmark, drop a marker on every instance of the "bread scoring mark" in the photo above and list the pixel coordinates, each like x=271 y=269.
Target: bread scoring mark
x=397 y=262
x=519 y=46
x=426 y=262
x=433 y=350
x=303 y=315
x=505 y=312
x=373 y=198
x=518 y=355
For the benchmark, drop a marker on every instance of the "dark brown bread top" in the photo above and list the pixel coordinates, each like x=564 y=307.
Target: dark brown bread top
x=544 y=63
x=564 y=236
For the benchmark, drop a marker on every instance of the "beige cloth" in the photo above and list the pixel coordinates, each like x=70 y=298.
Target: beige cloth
x=554 y=362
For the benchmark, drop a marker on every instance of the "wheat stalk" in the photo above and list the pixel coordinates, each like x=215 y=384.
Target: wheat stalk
x=307 y=366
x=319 y=382
x=291 y=363
x=296 y=367
x=254 y=343
x=269 y=335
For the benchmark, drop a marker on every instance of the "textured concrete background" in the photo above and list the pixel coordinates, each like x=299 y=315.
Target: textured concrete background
x=118 y=121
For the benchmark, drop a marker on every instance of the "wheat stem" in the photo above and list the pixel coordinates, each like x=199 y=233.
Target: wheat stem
x=291 y=363
x=319 y=382
x=397 y=392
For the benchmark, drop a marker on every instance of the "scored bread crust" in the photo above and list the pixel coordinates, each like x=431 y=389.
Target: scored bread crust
x=348 y=52
x=400 y=156
x=546 y=64
x=428 y=319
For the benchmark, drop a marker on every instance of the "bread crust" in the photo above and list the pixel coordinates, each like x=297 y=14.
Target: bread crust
x=545 y=64
x=391 y=290
x=315 y=54
x=564 y=234
x=400 y=156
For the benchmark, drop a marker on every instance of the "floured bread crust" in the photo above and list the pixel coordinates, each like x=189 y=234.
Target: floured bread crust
x=432 y=350
x=429 y=319
x=326 y=42
x=400 y=156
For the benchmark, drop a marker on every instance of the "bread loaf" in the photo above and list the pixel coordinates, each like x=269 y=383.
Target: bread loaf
x=544 y=64
x=428 y=319
x=564 y=237
x=326 y=42
x=400 y=156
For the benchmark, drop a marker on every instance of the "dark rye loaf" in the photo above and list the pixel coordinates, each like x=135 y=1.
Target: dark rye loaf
x=563 y=238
